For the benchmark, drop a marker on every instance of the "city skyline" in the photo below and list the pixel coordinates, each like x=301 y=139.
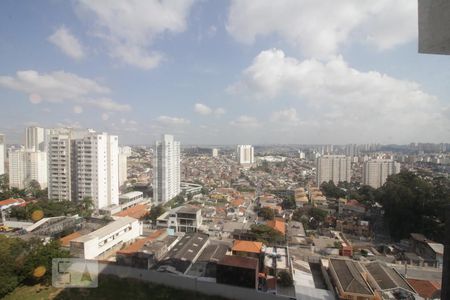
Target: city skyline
x=214 y=73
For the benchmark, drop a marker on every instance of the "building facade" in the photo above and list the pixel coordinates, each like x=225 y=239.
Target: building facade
x=166 y=181
x=36 y=138
x=106 y=239
x=181 y=219
x=376 y=171
x=83 y=163
x=26 y=165
x=245 y=154
x=337 y=168
x=123 y=164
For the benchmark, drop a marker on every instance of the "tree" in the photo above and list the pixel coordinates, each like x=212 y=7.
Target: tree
x=266 y=234
x=86 y=207
x=33 y=188
x=331 y=190
x=4 y=183
x=266 y=213
x=289 y=202
x=155 y=212
x=407 y=196
x=19 y=259
x=285 y=279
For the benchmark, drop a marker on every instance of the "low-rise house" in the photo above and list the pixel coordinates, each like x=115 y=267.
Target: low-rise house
x=146 y=252
x=238 y=271
x=278 y=225
x=8 y=203
x=276 y=259
x=247 y=248
x=427 y=289
x=106 y=239
x=181 y=219
x=350 y=280
x=431 y=252
x=388 y=283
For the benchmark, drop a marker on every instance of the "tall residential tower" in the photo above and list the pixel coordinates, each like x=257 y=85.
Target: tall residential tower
x=376 y=171
x=245 y=154
x=166 y=166
x=26 y=165
x=336 y=168
x=36 y=138
x=83 y=163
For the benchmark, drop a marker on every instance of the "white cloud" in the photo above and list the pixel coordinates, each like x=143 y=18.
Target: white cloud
x=171 y=121
x=60 y=86
x=246 y=122
x=285 y=116
x=202 y=109
x=77 y=109
x=130 y=27
x=344 y=102
x=67 y=43
x=319 y=28
x=220 y=111
x=105 y=116
x=205 y=110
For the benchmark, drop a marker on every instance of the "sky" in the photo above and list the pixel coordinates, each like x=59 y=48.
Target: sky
x=222 y=72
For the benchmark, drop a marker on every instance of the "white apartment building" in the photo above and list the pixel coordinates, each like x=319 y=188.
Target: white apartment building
x=215 y=152
x=245 y=154
x=2 y=154
x=83 y=163
x=181 y=219
x=105 y=239
x=97 y=169
x=166 y=182
x=26 y=165
x=376 y=171
x=59 y=164
x=336 y=168
x=36 y=138
x=124 y=152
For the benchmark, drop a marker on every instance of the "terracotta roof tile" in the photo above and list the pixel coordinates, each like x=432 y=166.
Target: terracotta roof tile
x=425 y=288
x=247 y=246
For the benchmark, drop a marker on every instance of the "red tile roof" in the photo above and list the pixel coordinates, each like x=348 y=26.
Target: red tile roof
x=425 y=288
x=247 y=246
x=139 y=211
x=11 y=201
x=139 y=243
x=278 y=225
x=65 y=241
x=239 y=262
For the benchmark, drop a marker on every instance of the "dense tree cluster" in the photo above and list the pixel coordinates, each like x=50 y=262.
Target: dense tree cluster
x=266 y=234
x=20 y=259
x=412 y=202
x=51 y=208
x=310 y=217
x=266 y=213
x=415 y=204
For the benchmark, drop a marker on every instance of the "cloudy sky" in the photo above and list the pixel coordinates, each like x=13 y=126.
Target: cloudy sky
x=223 y=72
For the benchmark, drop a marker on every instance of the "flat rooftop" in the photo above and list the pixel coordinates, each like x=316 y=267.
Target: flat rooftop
x=106 y=230
x=131 y=194
x=182 y=255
